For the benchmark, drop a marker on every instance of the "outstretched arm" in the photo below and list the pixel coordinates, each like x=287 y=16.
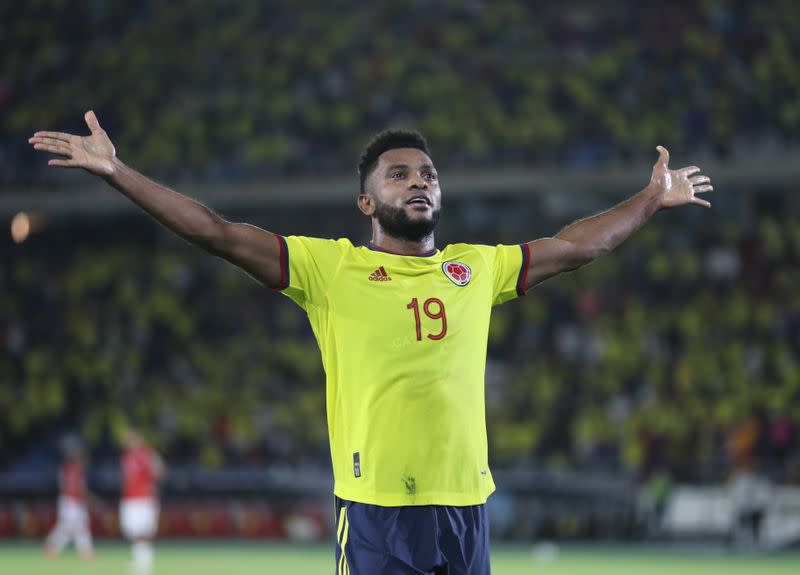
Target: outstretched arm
x=249 y=247
x=587 y=239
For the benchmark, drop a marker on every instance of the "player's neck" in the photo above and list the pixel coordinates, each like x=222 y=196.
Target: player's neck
x=382 y=240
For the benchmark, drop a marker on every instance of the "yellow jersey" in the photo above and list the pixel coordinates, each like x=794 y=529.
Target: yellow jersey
x=403 y=342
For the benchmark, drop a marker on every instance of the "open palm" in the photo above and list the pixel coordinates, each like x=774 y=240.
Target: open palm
x=679 y=187
x=94 y=152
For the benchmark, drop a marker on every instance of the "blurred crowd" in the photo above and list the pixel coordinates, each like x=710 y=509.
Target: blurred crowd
x=678 y=354
x=236 y=90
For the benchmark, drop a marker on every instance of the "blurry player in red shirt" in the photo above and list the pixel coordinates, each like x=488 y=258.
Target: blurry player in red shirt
x=72 y=523
x=141 y=470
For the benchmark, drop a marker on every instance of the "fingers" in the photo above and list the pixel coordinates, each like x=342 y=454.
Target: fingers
x=44 y=140
x=701 y=202
x=700 y=184
x=59 y=149
x=63 y=163
x=691 y=170
x=64 y=137
x=663 y=155
x=91 y=121
x=52 y=145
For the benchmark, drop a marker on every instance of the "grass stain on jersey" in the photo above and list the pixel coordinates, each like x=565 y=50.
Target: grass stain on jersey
x=411 y=485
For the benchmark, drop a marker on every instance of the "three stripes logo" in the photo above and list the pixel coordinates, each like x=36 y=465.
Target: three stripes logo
x=380 y=275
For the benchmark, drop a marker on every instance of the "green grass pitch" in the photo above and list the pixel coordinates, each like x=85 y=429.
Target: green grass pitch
x=224 y=558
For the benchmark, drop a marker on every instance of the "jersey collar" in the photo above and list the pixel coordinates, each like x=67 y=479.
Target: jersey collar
x=376 y=248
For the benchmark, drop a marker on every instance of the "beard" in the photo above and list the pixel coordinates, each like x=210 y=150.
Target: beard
x=396 y=223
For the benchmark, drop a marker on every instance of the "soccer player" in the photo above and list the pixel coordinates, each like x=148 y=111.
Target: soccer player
x=138 y=513
x=72 y=523
x=402 y=326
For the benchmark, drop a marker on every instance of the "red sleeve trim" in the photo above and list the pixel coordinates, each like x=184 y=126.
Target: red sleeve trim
x=284 y=257
x=523 y=272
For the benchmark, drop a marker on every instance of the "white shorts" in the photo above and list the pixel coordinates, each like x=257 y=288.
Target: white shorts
x=138 y=518
x=72 y=512
x=72 y=525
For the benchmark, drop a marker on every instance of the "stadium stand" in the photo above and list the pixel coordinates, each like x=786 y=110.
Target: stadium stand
x=678 y=354
x=243 y=94
x=675 y=360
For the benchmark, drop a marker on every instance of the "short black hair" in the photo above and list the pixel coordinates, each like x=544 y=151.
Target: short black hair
x=384 y=141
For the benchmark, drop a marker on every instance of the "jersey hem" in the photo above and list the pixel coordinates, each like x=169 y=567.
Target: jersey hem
x=396 y=500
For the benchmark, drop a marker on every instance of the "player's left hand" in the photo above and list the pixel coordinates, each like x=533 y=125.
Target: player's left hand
x=678 y=187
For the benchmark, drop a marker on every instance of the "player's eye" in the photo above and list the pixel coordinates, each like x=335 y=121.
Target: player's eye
x=397 y=175
x=429 y=176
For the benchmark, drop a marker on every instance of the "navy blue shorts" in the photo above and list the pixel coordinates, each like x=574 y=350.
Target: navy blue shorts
x=429 y=540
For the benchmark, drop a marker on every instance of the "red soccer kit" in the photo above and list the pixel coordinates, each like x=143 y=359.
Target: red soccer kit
x=73 y=481
x=139 y=473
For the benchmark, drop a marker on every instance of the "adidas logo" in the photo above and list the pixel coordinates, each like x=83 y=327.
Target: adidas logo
x=380 y=275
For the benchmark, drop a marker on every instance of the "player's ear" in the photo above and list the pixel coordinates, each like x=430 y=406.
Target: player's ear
x=366 y=204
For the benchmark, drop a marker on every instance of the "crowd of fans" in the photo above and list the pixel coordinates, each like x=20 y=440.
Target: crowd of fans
x=237 y=90
x=677 y=354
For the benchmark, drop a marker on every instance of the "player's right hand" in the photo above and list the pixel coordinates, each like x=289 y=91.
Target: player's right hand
x=94 y=152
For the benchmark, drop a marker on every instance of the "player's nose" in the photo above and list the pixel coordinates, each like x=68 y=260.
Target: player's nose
x=418 y=183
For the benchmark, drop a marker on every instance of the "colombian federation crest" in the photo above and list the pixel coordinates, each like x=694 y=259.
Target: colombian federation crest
x=458 y=273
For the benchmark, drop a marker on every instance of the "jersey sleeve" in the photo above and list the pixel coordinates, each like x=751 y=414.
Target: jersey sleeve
x=307 y=267
x=510 y=269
